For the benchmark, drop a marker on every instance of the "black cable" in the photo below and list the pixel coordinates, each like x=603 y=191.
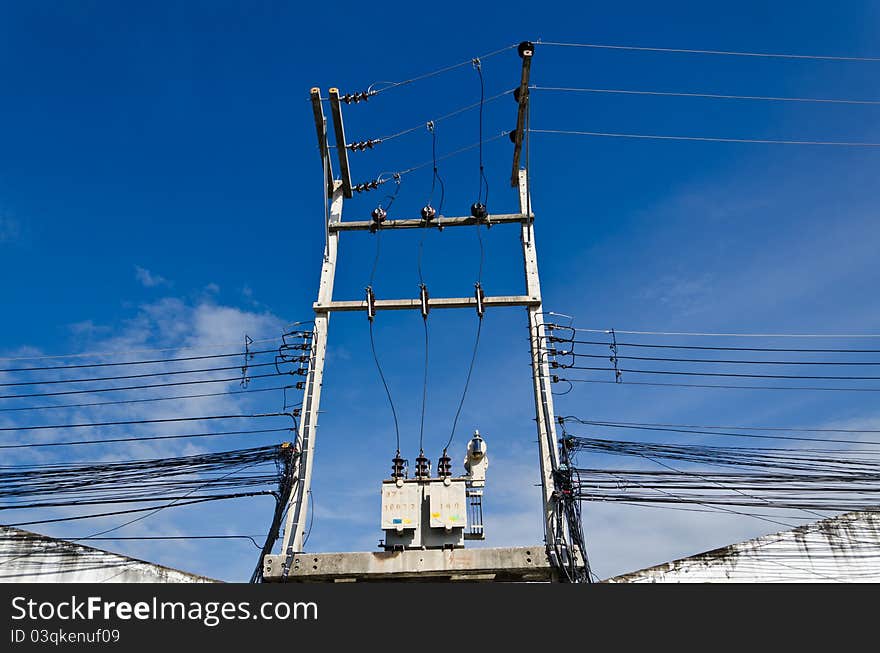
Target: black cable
x=141 y=401
x=726 y=387
x=390 y=85
x=140 y=362
x=218 y=497
x=466 y=384
x=385 y=385
x=730 y=374
x=172 y=537
x=725 y=361
x=134 y=376
x=141 y=438
x=424 y=389
x=707 y=348
x=717 y=433
x=141 y=421
x=135 y=387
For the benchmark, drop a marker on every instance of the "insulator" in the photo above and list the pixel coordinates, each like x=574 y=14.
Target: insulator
x=429 y=213
x=398 y=467
x=444 y=465
x=371 y=303
x=480 y=296
x=423 y=466
x=423 y=300
x=362 y=96
x=526 y=49
x=379 y=214
x=366 y=187
x=360 y=146
x=479 y=211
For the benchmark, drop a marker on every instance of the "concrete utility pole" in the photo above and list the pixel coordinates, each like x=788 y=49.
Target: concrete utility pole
x=536 y=562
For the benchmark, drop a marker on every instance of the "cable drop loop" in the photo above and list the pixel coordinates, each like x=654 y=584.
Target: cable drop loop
x=480 y=296
x=371 y=303
x=423 y=300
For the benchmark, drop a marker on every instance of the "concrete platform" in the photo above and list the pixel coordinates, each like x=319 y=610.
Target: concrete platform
x=511 y=564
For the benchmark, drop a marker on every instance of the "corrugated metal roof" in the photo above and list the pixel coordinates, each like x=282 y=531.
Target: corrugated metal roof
x=845 y=549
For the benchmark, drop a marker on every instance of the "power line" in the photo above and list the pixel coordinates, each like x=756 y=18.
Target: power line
x=219 y=497
x=735 y=428
x=726 y=387
x=144 y=438
x=729 y=374
x=461 y=150
x=174 y=537
x=137 y=351
x=141 y=421
x=731 y=335
x=385 y=385
x=673 y=429
x=466 y=383
x=439 y=71
x=707 y=348
x=134 y=387
x=714 y=96
x=709 y=139
x=730 y=53
x=725 y=361
x=445 y=116
x=134 y=376
x=140 y=362
x=148 y=400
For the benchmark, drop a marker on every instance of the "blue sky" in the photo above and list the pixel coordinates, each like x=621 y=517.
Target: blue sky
x=159 y=187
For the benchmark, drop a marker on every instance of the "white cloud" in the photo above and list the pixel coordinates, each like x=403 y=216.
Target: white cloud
x=177 y=325
x=149 y=279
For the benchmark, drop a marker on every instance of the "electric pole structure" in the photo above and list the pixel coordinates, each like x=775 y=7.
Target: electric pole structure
x=560 y=557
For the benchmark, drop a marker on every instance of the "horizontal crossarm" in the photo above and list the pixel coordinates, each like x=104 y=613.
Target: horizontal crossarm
x=433 y=302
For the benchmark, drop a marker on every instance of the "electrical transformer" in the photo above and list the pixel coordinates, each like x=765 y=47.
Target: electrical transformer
x=435 y=512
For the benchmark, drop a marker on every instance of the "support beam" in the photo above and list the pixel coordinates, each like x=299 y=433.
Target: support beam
x=433 y=302
x=296 y=515
x=323 y=145
x=341 y=149
x=522 y=563
x=526 y=51
x=440 y=223
x=544 y=415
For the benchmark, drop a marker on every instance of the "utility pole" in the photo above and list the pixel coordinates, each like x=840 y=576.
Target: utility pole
x=537 y=562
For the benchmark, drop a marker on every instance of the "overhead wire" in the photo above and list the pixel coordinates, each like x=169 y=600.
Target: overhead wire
x=135 y=351
x=730 y=53
x=433 y=73
x=98 y=404
x=713 y=96
x=710 y=139
x=722 y=386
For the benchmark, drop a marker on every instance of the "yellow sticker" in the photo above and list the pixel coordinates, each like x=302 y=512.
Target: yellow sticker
x=435 y=515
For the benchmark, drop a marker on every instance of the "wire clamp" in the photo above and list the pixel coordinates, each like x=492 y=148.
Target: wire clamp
x=613 y=359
